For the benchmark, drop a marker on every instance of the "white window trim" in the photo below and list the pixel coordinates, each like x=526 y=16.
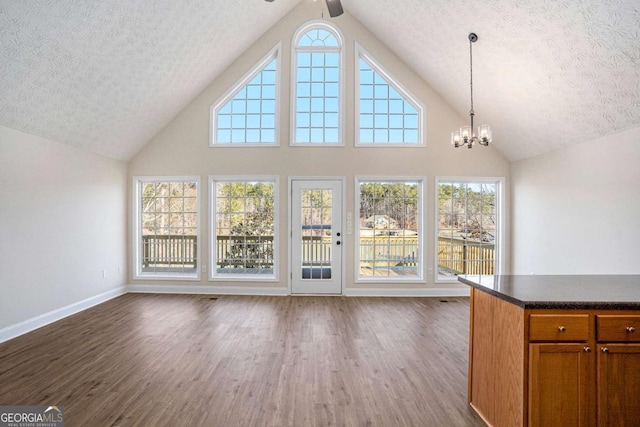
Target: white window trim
x=319 y=23
x=237 y=87
x=360 y=52
x=420 y=278
x=500 y=226
x=213 y=275
x=136 y=241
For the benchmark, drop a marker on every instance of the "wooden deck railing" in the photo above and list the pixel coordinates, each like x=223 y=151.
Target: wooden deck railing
x=164 y=251
x=316 y=250
x=460 y=256
x=234 y=251
x=455 y=256
x=380 y=251
x=237 y=250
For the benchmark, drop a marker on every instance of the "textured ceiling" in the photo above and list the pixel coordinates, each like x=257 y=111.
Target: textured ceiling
x=547 y=73
x=107 y=76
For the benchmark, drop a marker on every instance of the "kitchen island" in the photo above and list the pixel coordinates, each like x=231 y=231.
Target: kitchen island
x=555 y=350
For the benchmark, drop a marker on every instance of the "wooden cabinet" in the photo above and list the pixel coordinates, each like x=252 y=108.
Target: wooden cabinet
x=616 y=328
x=553 y=367
x=559 y=327
x=561 y=385
x=618 y=388
x=561 y=373
x=618 y=367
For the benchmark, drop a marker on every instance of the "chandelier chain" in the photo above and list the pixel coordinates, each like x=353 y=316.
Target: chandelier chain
x=466 y=136
x=471 y=70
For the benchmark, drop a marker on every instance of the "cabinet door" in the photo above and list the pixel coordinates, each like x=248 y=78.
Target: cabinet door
x=561 y=385
x=619 y=385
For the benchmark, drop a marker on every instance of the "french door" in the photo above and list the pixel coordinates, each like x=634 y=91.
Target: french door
x=316 y=236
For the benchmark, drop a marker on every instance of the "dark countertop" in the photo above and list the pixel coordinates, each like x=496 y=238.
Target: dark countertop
x=610 y=292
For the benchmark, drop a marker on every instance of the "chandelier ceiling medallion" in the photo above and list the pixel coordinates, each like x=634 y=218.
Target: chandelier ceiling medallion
x=466 y=135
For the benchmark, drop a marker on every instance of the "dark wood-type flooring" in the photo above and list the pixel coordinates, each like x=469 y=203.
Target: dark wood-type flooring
x=176 y=360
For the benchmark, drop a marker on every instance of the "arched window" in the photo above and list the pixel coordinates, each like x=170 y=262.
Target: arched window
x=317 y=88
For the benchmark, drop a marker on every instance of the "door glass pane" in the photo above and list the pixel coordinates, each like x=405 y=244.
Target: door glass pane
x=316 y=234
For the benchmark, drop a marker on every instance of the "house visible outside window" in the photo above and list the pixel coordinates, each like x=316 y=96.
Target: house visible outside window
x=387 y=114
x=390 y=229
x=468 y=227
x=244 y=228
x=248 y=114
x=166 y=227
x=316 y=117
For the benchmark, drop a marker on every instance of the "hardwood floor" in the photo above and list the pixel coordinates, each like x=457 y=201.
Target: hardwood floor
x=175 y=360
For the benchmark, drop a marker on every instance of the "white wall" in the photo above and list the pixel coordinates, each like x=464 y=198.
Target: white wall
x=576 y=210
x=62 y=222
x=182 y=147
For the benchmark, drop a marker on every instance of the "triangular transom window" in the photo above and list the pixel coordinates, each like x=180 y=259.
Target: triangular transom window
x=387 y=113
x=247 y=114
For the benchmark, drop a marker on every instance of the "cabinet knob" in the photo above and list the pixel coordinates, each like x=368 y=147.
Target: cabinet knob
x=605 y=350
x=587 y=349
x=631 y=329
x=562 y=328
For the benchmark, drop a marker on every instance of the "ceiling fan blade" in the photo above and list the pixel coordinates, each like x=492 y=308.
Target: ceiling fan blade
x=335 y=8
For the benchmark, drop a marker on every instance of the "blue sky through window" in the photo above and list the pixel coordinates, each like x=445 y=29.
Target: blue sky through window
x=317 y=88
x=386 y=117
x=250 y=116
x=318 y=37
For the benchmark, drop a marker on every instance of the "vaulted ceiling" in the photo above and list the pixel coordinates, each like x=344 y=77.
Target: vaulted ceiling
x=107 y=76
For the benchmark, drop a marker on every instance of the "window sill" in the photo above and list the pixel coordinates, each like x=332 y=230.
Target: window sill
x=243 y=145
x=174 y=277
x=389 y=145
x=417 y=280
x=244 y=278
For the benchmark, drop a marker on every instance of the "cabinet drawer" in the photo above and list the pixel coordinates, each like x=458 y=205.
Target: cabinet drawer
x=618 y=328
x=559 y=327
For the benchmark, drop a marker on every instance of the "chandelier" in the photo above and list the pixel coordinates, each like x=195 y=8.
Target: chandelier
x=466 y=135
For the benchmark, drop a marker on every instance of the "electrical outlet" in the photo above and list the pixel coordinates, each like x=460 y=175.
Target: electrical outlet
x=104 y=274
x=430 y=271
x=204 y=268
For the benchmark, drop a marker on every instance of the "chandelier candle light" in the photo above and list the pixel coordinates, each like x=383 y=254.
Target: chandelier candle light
x=465 y=135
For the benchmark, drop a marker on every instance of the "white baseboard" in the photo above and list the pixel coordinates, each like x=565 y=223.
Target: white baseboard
x=407 y=292
x=272 y=291
x=207 y=290
x=53 y=316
